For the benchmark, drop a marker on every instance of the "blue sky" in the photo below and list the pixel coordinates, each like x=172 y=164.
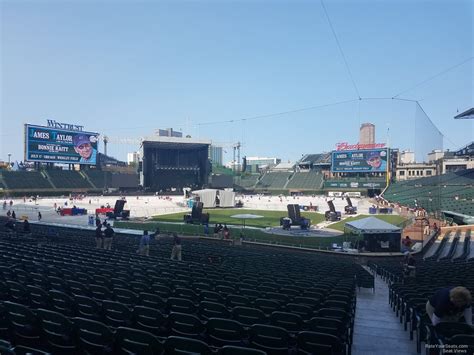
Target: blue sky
x=124 y=68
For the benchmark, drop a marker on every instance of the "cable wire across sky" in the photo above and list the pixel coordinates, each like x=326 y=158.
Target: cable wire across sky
x=251 y=118
x=433 y=77
x=340 y=50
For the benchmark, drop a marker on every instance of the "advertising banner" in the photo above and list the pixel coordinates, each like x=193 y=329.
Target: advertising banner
x=353 y=184
x=359 y=161
x=51 y=145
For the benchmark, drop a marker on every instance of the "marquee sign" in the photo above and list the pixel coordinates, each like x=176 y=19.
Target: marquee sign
x=347 y=146
x=54 y=145
x=66 y=126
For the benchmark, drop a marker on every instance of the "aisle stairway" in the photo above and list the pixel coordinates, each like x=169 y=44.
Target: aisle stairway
x=377 y=331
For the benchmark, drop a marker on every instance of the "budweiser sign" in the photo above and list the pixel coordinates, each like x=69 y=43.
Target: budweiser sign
x=347 y=146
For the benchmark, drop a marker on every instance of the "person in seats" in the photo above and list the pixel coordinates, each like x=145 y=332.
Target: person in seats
x=409 y=266
x=144 y=248
x=406 y=244
x=226 y=232
x=99 y=236
x=176 y=251
x=26 y=227
x=450 y=304
x=108 y=237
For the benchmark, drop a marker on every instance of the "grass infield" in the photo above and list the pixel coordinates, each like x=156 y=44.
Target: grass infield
x=172 y=223
x=269 y=219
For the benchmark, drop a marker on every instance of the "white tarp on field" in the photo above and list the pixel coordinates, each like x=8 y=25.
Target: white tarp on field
x=207 y=197
x=227 y=198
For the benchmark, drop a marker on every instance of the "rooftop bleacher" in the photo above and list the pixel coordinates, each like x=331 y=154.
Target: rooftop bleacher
x=322 y=158
x=246 y=181
x=453 y=192
x=274 y=180
x=97 y=177
x=310 y=180
x=462 y=177
x=25 y=180
x=68 y=179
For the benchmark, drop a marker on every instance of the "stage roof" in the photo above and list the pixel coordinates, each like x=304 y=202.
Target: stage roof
x=371 y=225
x=175 y=142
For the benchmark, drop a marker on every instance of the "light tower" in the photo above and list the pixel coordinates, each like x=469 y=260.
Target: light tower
x=106 y=140
x=236 y=148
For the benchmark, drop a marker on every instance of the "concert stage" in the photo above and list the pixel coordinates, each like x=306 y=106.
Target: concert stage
x=171 y=163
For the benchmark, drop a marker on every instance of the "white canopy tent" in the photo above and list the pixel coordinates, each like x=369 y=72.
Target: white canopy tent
x=378 y=235
x=371 y=225
x=227 y=198
x=208 y=197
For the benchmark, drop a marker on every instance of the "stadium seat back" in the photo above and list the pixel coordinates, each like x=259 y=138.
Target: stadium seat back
x=213 y=310
x=313 y=303
x=58 y=330
x=25 y=350
x=78 y=288
x=233 y=300
x=267 y=306
x=175 y=345
x=224 y=289
x=88 y=308
x=116 y=314
x=447 y=330
x=18 y=293
x=273 y=340
x=277 y=297
x=152 y=301
x=466 y=342
x=319 y=343
x=326 y=325
x=303 y=310
x=224 y=331
x=186 y=325
x=289 y=321
x=23 y=322
x=180 y=305
x=186 y=293
x=198 y=287
x=249 y=316
x=94 y=337
x=7 y=350
x=237 y=350
x=100 y=292
x=250 y=293
x=38 y=297
x=211 y=296
x=149 y=319
x=134 y=341
x=125 y=296
x=139 y=287
x=63 y=303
